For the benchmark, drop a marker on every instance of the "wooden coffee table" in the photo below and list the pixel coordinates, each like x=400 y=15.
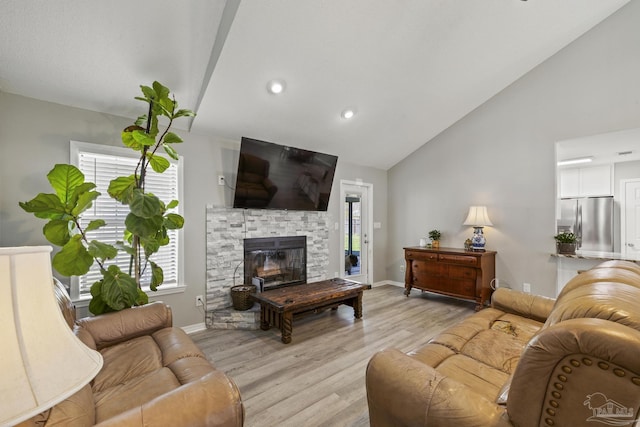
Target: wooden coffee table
x=278 y=306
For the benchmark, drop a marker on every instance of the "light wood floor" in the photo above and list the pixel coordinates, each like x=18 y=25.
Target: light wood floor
x=319 y=378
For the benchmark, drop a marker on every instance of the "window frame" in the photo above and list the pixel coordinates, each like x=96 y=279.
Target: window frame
x=78 y=147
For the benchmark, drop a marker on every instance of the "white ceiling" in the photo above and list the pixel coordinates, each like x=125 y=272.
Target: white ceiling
x=603 y=148
x=410 y=68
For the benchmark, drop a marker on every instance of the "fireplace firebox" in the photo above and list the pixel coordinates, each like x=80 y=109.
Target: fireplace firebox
x=273 y=262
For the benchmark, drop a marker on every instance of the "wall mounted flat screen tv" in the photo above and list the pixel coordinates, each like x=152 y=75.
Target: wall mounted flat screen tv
x=273 y=176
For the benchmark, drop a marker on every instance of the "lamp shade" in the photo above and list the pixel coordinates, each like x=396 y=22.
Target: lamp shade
x=42 y=362
x=478 y=217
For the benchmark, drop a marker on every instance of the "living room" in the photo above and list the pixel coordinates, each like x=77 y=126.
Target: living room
x=500 y=153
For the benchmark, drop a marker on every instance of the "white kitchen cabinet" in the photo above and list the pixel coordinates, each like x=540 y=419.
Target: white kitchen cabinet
x=585 y=182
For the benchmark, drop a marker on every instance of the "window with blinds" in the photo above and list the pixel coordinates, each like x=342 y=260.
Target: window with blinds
x=100 y=164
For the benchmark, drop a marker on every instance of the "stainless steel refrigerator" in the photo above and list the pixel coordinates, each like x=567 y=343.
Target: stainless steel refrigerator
x=591 y=219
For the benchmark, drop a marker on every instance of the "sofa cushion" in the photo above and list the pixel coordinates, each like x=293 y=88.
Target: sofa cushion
x=133 y=393
x=127 y=360
x=76 y=410
x=482 y=351
x=596 y=300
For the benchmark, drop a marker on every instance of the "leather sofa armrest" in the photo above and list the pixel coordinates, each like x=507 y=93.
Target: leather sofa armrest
x=213 y=400
x=402 y=391
x=113 y=328
x=567 y=363
x=536 y=307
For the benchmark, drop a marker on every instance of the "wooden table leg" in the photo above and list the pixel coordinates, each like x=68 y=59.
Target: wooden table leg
x=264 y=317
x=357 y=306
x=286 y=326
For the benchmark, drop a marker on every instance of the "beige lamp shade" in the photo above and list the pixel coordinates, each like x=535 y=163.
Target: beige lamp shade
x=477 y=217
x=42 y=362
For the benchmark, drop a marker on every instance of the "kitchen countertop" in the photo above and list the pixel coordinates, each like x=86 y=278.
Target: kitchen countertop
x=602 y=255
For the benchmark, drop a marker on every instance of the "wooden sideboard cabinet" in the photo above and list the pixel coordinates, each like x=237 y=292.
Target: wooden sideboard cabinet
x=448 y=271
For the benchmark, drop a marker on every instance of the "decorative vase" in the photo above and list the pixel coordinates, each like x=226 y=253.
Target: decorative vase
x=435 y=244
x=566 y=248
x=423 y=243
x=478 y=241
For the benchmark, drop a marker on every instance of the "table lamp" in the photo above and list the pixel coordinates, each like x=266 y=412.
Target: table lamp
x=42 y=362
x=478 y=218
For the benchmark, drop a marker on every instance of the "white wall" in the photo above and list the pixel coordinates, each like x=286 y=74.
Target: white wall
x=35 y=135
x=502 y=154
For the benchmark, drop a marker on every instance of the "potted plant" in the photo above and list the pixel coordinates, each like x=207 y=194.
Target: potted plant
x=435 y=235
x=146 y=224
x=566 y=243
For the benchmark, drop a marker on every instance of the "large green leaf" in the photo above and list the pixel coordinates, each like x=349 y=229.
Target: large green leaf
x=64 y=179
x=170 y=151
x=150 y=245
x=184 y=113
x=172 y=204
x=142 y=299
x=142 y=138
x=84 y=202
x=160 y=90
x=94 y=225
x=73 y=259
x=144 y=227
x=157 y=276
x=158 y=163
x=148 y=92
x=118 y=290
x=78 y=191
x=97 y=305
x=57 y=231
x=101 y=250
x=129 y=141
x=125 y=248
x=121 y=188
x=171 y=138
x=145 y=205
x=45 y=206
x=173 y=221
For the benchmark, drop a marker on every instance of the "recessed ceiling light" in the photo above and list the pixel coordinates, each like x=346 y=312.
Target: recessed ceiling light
x=276 y=86
x=348 y=113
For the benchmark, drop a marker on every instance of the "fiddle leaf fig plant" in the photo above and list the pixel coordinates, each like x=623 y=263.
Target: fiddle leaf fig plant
x=146 y=225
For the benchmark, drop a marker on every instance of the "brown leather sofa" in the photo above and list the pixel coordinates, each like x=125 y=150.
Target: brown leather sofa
x=526 y=361
x=153 y=374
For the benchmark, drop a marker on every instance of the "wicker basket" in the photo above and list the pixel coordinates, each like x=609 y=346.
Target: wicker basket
x=240 y=296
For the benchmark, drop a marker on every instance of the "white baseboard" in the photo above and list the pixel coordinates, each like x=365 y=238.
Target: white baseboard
x=192 y=329
x=388 y=282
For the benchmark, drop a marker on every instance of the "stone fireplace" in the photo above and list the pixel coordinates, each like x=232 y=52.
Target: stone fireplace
x=227 y=230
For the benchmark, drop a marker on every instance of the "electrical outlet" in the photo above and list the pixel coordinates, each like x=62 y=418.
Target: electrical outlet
x=199 y=301
x=526 y=288
x=220 y=179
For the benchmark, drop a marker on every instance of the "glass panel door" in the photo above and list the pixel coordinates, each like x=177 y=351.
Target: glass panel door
x=353 y=234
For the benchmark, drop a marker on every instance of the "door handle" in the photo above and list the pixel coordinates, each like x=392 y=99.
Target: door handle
x=631 y=245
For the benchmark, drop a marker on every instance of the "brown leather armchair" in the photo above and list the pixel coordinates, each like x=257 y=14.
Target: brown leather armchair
x=526 y=361
x=153 y=374
x=253 y=186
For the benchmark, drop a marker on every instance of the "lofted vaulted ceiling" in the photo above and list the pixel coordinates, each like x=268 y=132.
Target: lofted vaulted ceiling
x=409 y=68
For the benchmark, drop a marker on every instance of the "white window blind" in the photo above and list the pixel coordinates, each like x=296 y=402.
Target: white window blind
x=100 y=164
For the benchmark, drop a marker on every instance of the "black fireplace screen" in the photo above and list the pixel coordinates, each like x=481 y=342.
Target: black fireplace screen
x=271 y=262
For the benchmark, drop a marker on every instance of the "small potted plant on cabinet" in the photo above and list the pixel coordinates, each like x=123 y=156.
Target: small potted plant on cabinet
x=566 y=243
x=435 y=235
